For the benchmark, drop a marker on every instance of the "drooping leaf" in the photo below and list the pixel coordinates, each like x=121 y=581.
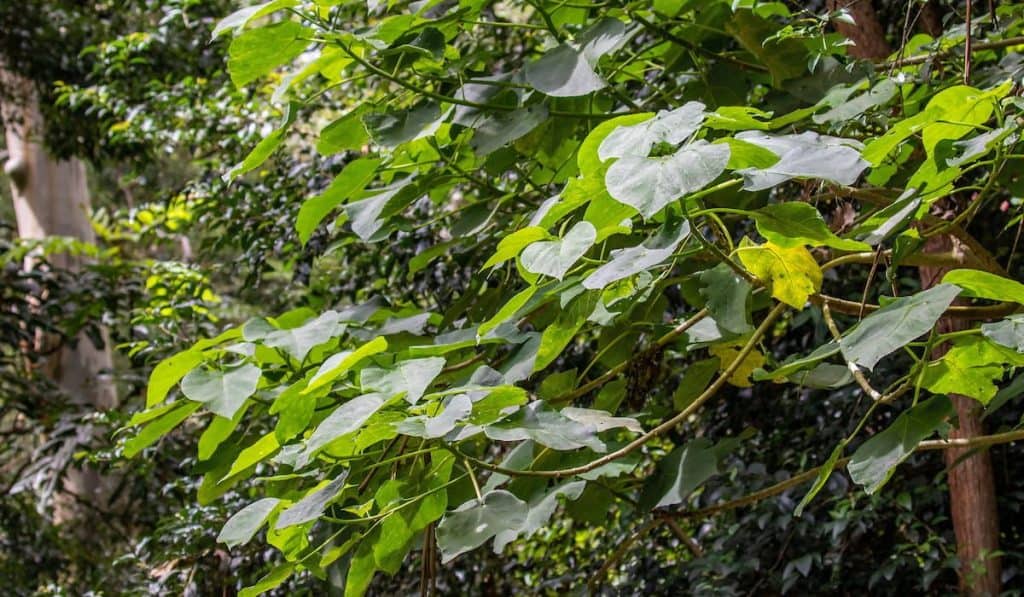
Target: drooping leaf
x=876 y=459
x=340 y=364
x=350 y=182
x=313 y=504
x=159 y=427
x=265 y=147
x=539 y=512
x=897 y=323
x=633 y=260
x=680 y=473
x=457 y=409
x=728 y=298
x=1008 y=332
x=345 y=419
x=240 y=528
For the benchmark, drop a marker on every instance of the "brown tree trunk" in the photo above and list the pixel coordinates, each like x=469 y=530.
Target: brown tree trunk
x=51 y=198
x=972 y=489
x=866 y=33
x=972 y=493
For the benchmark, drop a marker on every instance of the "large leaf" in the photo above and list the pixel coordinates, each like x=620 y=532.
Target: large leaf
x=470 y=525
x=458 y=408
x=794 y=223
x=549 y=428
x=240 y=528
x=806 y=155
x=345 y=419
x=972 y=367
x=312 y=506
x=540 y=510
x=411 y=378
x=633 y=260
x=876 y=459
x=340 y=364
x=568 y=70
x=237 y=20
x=979 y=284
x=637 y=140
x=1008 y=332
x=791 y=273
x=298 y=341
x=728 y=298
x=680 y=473
x=894 y=325
x=259 y=51
x=649 y=184
x=555 y=257
x=223 y=392
x=350 y=182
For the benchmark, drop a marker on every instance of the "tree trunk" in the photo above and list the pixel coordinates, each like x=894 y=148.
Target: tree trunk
x=972 y=488
x=866 y=33
x=972 y=492
x=51 y=198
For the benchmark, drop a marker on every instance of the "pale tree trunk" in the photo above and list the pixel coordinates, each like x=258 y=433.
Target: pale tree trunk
x=972 y=491
x=51 y=198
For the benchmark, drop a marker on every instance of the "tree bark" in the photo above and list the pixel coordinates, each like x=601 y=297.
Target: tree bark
x=972 y=492
x=972 y=488
x=51 y=198
x=866 y=33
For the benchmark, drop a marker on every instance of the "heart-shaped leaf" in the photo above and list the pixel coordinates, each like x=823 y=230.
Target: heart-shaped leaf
x=555 y=257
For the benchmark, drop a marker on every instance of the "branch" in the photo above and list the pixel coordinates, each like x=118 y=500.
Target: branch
x=661 y=429
x=948 y=52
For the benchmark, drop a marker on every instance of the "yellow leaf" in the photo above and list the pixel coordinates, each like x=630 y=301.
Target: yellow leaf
x=741 y=376
x=791 y=273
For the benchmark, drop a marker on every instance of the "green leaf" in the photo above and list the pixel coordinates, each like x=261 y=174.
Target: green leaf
x=588 y=157
x=259 y=51
x=1008 y=332
x=637 y=140
x=345 y=419
x=259 y=451
x=497 y=130
x=411 y=378
x=878 y=95
x=897 y=323
x=563 y=329
x=823 y=475
x=391 y=129
x=470 y=525
x=218 y=431
x=298 y=341
x=568 y=70
x=889 y=220
x=539 y=512
x=265 y=147
x=344 y=133
x=169 y=371
x=558 y=430
x=682 y=471
x=971 y=368
x=312 y=506
x=349 y=183
x=649 y=184
x=237 y=20
x=555 y=257
x=794 y=223
x=458 y=408
x=695 y=380
x=340 y=364
x=507 y=311
x=979 y=284
x=271 y=580
x=159 y=427
x=728 y=298
x=785 y=59
x=876 y=459
x=365 y=214
x=222 y=392
x=807 y=155
x=746 y=155
x=791 y=272
x=240 y=528
x=510 y=246
x=633 y=260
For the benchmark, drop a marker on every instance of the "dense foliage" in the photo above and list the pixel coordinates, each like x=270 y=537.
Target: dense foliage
x=637 y=296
